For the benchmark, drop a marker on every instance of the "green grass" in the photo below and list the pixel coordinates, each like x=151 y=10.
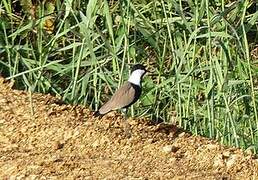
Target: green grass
x=204 y=78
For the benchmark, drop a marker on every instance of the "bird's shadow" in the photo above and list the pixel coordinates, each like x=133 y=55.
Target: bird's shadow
x=167 y=128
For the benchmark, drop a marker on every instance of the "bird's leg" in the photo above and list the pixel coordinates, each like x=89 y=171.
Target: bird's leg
x=127 y=128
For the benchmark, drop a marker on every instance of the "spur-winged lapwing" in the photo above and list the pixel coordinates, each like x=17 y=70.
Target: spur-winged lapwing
x=127 y=94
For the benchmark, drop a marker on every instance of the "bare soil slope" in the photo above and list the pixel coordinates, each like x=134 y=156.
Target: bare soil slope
x=43 y=138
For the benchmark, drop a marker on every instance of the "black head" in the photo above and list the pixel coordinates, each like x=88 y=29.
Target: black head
x=138 y=66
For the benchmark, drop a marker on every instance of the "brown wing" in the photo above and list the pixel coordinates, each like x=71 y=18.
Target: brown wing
x=124 y=96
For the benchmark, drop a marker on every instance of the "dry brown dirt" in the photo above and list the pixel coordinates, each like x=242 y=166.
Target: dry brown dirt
x=41 y=138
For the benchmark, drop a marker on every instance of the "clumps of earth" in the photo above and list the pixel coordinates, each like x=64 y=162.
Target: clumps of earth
x=43 y=138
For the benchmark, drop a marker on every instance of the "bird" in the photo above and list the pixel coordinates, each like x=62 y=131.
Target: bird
x=127 y=94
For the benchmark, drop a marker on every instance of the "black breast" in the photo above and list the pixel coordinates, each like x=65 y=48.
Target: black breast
x=137 y=94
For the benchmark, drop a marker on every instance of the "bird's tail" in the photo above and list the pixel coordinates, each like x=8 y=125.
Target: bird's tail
x=96 y=114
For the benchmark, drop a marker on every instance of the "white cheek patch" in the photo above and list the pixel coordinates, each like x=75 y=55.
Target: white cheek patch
x=135 y=77
x=140 y=71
